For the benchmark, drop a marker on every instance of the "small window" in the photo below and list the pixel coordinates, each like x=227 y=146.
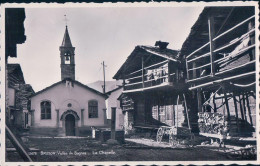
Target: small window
x=45 y=110
x=93 y=109
x=67 y=58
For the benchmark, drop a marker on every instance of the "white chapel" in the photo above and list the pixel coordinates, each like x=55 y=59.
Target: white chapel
x=68 y=107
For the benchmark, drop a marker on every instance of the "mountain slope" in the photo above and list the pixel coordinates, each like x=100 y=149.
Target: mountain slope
x=110 y=85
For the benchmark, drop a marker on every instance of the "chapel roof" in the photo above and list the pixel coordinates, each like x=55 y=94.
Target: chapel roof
x=73 y=82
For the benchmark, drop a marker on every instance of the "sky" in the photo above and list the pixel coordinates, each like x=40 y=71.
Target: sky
x=98 y=34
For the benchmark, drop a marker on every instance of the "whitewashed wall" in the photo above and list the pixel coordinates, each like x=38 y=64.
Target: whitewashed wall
x=60 y=96
x=113 y=102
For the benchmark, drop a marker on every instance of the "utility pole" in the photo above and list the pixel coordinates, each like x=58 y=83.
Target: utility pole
x=104 y=86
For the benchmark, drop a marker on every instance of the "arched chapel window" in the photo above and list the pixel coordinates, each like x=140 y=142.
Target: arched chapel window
x=45 y=110
x=92 y=109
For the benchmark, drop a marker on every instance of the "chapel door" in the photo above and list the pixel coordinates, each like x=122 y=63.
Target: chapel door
x=70 y=125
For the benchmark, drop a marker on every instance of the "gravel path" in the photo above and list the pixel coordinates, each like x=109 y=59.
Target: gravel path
x=86 y=149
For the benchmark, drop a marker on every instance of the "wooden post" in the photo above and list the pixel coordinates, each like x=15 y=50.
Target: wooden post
x=244 y=106
x=199 y=100
x=187 y=68
x=226 y=102
x=104 y=87
x=145 y=109
x=241 y=108
x=177 y=111
x=202 y=101
x=249 y=110
x=252 y=40
x=211 y=43
x=187 y=113
x=143 y=70
x=113 y=123
x=123 y=78
x=235 y=105
x=123 y=83
x=214 y=103
x=158 y=109
x=174 y=112
x=19 y=146
x=194 y=73
x=169 y=72
x=177 y=75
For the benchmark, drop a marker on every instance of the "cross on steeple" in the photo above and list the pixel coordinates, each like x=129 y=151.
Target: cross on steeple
x=65 y=19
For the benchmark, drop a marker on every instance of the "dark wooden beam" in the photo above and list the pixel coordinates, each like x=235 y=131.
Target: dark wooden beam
x=249 y=110
x=17 y=144
x=186 y=109
x=187 y=68
x=177 y=111
x=241 y=108
x=113 y=123
x=226 y=102
x=214 y=103
x=244 y=106
x=143 y=70
x=236 y=111
x=199 y=100
x=212 y=43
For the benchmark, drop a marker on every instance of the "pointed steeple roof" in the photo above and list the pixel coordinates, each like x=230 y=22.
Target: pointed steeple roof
x=66 y=39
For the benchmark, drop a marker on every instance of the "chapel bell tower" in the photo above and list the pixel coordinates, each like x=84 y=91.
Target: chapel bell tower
x=67 y=57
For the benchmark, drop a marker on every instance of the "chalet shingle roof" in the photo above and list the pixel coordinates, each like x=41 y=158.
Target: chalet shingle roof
x=14 y=75
x=165 y=53
x=133 y=60
x=224 y=18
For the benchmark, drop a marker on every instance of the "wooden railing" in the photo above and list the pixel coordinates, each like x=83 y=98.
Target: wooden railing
x=149 y=76
x=211 y=62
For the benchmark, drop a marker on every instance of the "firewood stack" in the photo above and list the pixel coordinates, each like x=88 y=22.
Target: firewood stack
x=212 y=123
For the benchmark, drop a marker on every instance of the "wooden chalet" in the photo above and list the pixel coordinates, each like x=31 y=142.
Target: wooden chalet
x=221 y=69
x=153 y=88
x=18 y=102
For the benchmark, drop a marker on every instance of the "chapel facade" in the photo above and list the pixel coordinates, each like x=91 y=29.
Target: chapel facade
x=68 y=107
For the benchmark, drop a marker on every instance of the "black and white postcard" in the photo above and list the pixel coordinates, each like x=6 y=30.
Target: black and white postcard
x=130 y=83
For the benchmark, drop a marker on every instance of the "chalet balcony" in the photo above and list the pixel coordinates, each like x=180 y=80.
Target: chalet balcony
x=226 y=57
x=153 y=76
